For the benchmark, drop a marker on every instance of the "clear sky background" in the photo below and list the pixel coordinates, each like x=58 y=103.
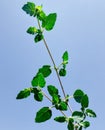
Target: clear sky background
x=80 y=29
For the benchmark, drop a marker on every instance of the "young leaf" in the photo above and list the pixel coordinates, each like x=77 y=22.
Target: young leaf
x=62 y=72
x=29 y=8
x=49 y=22
x=38 y=80
x=38 y=37
x=70 y=124
x=85 y=124
x=40 y=13
x=90 y=113
x=32 y=30
x=23 y=94
x=45 y=70
x=60 y=119
x=38 y=9
x=43 y=114
x=78 y=94
x=65 y=57
x=52 y=90
x=85 y=101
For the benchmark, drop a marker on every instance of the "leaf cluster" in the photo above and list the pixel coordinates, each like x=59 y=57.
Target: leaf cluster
x=77 y=119
x=47 y=21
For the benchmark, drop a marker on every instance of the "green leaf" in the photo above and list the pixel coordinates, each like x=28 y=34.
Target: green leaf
x=38 y=37
x=41 y=80
x=77 y=116
x=29 y=8
x=32 y=30
x=34 y=81
x=38 y=80
x=40 y=13
x=70 y=124
x=56 y=100
x=60 y=119
x=65 y=57
x=35 y=90
x=52 y=90
x=38 y=9
x=90 y=113
x=85 y=124
x=23 y=94
x=77 y=113
x=43 y=114
x=49 y=22
x=85 y=101
x=62 y=72
x=41 y=16
x=38 y=96
x=45 y=70
x=63 y=106
x=78 y=94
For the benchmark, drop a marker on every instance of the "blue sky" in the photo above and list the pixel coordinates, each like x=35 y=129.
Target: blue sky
x=80 y=29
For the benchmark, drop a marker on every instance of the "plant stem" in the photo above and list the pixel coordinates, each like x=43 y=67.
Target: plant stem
x=56 y=72
x=63 y=113
x=46 y=96
x=45 y=43
x=54 y=67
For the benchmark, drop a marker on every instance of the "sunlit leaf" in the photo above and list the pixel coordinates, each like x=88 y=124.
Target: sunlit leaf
x=43 y=115
x=49 y=22
x=24 y=93
x=90 y=113
x=85 y=124
x=77 y=116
